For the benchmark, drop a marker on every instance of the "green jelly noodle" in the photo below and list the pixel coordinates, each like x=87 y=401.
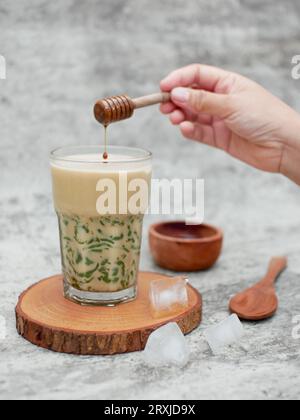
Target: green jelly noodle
x=100 y=254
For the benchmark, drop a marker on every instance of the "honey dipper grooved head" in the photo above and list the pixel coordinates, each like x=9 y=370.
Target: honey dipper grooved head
x=115 y=108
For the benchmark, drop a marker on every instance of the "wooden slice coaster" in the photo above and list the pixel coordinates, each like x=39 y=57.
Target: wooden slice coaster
x=48 y=320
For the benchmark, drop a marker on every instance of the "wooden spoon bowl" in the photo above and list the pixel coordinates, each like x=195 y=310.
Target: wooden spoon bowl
x=260 y=301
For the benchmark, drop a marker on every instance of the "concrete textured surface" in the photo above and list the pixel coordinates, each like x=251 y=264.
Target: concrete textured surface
x=61 y=56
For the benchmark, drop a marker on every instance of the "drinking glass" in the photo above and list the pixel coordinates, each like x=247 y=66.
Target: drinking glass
x=100 y=209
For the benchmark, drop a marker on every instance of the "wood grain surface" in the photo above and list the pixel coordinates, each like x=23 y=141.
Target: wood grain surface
x=48 y=320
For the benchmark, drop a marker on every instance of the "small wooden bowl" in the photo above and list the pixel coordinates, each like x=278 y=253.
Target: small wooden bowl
x=179 y=247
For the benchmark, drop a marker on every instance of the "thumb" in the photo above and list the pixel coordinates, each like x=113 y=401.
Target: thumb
x=202 y=101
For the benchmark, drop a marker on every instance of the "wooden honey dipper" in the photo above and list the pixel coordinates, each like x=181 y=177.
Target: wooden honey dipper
x=118 y=108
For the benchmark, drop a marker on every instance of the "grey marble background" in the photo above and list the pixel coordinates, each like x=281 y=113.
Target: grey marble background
x=62 y=56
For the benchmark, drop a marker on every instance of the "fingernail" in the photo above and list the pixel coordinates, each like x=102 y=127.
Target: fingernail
x=180 y=95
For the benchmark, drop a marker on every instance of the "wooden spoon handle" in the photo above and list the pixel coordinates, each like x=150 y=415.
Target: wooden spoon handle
x=156 y=98
x=276 y=267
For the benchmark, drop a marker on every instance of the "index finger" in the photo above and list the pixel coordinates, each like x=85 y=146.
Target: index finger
x=202 y=76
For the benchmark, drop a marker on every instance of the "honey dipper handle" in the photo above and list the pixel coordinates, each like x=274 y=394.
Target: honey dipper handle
x=156 y=98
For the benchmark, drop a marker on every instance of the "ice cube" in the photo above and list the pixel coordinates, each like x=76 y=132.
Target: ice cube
x=166 y=346
x=168 y=296
x=224 y=334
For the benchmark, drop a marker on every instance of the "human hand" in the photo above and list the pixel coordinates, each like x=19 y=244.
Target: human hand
x=230 y=112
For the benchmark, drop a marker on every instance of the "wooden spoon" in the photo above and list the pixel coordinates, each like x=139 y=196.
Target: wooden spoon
x=260 y=301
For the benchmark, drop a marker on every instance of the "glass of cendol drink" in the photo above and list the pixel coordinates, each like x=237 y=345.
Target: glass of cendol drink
x=100 y=204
